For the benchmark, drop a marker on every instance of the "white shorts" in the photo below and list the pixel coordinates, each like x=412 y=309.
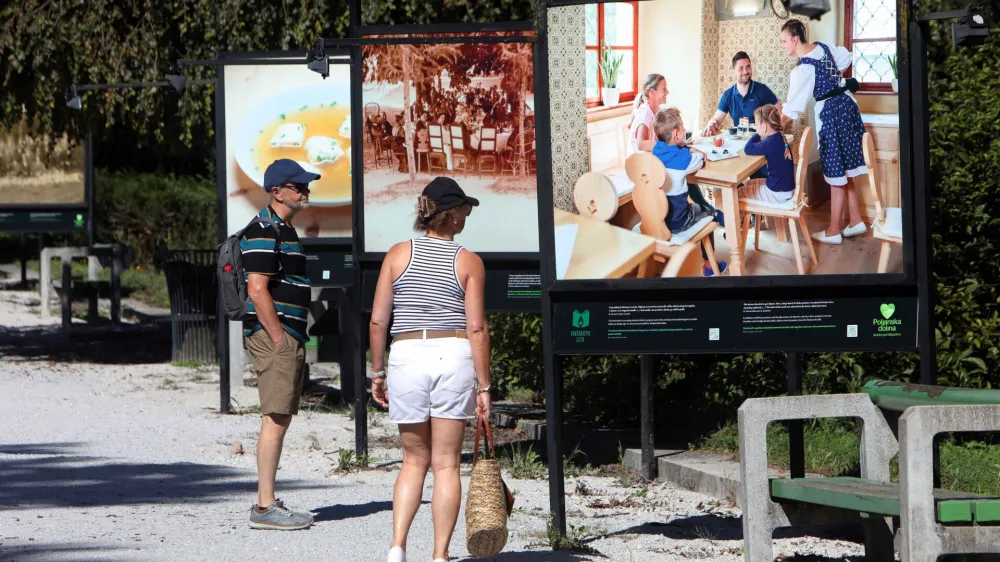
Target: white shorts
x=432 y=378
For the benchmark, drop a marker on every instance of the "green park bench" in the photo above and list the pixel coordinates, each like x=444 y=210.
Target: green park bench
x=911 y=517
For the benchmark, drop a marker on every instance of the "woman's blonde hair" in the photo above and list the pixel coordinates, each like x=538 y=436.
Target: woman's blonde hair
x=667 y=120
x=772 y=116
x=652 y=81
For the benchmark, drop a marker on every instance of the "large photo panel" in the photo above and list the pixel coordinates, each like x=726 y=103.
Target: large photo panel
x=682 y=177
x=277 y=110
x=462 y=110
x=39 y=170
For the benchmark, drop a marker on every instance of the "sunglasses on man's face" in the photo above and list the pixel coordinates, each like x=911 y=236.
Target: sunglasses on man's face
x=300 y=187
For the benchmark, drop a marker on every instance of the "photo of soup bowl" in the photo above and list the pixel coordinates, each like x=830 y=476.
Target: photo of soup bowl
x=322 y=113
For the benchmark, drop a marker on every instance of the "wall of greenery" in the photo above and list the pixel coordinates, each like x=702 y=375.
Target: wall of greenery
x=157 y=147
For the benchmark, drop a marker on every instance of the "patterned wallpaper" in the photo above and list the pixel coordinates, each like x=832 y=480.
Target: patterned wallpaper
x=771 y=66
x=710 y=89
x=567 y=71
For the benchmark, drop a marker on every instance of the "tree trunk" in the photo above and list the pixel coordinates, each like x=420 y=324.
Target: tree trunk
x=407 y=121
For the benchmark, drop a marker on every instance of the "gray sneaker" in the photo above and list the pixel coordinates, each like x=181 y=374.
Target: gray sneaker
x=277 y=516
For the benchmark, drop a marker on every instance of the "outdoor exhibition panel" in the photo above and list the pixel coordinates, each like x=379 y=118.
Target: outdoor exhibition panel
x=46 y=184
x=469 y=94
x=616 y=280
x=596 y=247
x=275 y=107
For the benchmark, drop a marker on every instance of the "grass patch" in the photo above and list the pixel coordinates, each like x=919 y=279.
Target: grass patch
x=346 y=461
x=832 y=449
x=524 y=464
x=191 y=364
x=832 y=446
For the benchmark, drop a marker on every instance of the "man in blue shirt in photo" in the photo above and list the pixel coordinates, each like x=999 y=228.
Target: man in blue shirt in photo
x=743 y=98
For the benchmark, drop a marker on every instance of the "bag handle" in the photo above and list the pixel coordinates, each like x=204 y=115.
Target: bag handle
x=481 y=423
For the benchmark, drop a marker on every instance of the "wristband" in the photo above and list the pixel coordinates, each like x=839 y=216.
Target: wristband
x=484 y=389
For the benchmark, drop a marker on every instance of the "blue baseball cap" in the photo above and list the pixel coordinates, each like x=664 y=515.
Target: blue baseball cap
x=285 y=170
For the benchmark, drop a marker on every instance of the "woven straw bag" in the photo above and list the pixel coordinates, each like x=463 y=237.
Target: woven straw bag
x=490 y=502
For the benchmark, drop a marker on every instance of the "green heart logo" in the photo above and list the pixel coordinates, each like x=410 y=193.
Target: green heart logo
x=887 y=310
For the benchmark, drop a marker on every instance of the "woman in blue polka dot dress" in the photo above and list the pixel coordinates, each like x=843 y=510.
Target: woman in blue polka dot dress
x=838 y=124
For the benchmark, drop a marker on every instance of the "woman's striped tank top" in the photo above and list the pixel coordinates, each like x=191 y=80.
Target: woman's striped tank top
x=428 y=295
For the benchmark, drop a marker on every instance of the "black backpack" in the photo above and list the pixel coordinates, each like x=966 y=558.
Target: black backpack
x=232 y=280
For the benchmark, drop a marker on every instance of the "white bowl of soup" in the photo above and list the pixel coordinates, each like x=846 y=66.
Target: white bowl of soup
x=323 y=111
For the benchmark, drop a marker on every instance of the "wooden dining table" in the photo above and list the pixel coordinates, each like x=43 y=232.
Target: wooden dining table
x=605 y=251
x=725 y=176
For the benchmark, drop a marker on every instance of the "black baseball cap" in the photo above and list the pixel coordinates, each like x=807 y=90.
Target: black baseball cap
x=446 y=194
x=286 y=170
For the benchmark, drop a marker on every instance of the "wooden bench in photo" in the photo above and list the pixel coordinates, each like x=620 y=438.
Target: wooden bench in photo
x=911 y=517
x=888 y=223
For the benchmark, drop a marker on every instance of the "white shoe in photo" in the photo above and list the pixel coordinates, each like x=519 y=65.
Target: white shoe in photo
x=396 y=554
x=855 y=230
x=823 y=238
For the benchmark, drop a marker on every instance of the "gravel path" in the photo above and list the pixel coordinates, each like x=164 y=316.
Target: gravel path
x=131 y=462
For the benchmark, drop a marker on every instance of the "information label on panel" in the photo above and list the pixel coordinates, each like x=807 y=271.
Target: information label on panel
x=737 y=326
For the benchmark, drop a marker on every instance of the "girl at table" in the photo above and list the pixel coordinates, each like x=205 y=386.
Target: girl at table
x=652 y=96
x=769 y=141
x=838 y=124
x=680 y=161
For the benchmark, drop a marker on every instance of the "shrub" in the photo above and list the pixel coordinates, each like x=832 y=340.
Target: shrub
x=150 y=211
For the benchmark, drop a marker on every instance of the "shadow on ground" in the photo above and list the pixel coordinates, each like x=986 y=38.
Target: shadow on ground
x=56 y=475
x=77 y=552
x=352 y=511
x=721 y=528
x=535 y=556
x=127 y=343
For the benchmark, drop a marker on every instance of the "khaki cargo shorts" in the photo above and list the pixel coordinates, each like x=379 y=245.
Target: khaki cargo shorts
x=279 y=373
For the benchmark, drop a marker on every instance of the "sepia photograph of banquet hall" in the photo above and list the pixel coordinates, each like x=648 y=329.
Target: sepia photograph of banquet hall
x=469 y=116
x=722 y=138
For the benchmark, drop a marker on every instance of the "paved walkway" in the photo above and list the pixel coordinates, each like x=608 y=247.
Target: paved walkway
x=108 y=461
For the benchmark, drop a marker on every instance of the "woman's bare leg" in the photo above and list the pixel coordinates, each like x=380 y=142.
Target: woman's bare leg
x=416 y=441
x=853 y=203
x=446 y=452
x=838 y=196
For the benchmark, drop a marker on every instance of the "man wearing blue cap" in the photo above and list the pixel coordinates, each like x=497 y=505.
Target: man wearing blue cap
x=275 y=332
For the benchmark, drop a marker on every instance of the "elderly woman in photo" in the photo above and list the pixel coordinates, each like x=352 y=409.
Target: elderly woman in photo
x=838 y=124
x=652 y=96
x=432 y=290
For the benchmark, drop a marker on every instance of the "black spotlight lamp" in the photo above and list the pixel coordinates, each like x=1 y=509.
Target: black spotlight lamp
x=176 y=78
x=812 y=9
x=74 y=99
x=973 y=28
x=317 y=59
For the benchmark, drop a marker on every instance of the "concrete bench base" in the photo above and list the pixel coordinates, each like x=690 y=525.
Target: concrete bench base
x=921 y=536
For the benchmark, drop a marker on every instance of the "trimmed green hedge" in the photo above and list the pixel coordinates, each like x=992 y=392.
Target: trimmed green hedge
x=150 y=211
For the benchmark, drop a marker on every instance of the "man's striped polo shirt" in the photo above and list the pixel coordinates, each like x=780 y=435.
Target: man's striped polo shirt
x=289 y=286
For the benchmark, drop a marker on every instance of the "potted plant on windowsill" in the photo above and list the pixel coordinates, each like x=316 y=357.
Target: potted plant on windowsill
x=895 y=73
x=610 y=65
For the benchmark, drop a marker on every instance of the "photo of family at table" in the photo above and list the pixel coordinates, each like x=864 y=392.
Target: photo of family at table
x=778 y=180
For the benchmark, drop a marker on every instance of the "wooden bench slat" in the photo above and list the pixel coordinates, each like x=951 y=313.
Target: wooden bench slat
x=987 y=511
x=954 y=511
x=869 y=496
x=855 y=494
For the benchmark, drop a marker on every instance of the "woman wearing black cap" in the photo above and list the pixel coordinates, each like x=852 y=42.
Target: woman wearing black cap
x=432 y=290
